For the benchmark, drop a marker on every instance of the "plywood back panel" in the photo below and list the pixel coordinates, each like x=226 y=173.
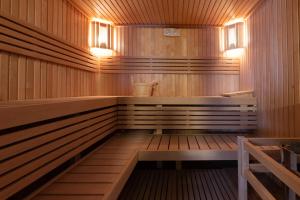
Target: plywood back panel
x=271 y=65
x=44 y=50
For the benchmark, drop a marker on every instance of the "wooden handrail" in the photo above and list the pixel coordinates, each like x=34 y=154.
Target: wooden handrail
x=247 y=148
x=285 y=175
x=258 y=186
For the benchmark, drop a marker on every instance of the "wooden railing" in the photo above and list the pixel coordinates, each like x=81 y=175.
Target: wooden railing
x=135 y=65
x=251 y=147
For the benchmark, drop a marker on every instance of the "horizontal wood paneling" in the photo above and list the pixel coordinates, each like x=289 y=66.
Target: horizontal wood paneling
x=148 y=42
x=142 y=65
x=29 y=41
x=271 y=65
x=187 y=113
x=48 y=54
x=47 y=140
x=172 y=12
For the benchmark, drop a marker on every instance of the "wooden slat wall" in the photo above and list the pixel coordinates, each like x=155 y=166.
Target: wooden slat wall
x=175 y=12
x=141 y=65
x=271 y=65
x=187 y=113
x=66 y=31
x=146 y=42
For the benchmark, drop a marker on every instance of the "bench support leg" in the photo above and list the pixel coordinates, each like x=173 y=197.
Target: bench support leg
x=159 y=164
x=158 y=132
x=178 y=165
x=243 y=164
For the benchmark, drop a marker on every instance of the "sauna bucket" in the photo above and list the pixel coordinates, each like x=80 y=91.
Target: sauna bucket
x=143 y=89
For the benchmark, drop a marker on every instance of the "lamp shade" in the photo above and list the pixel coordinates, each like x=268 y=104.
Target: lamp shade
x=234 y=36
x=101 y=35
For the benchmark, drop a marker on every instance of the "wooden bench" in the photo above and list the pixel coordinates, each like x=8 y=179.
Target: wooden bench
x=39 y=136
x=101 y=175
x=187 y=113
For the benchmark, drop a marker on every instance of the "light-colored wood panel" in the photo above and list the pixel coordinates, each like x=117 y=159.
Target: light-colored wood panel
x=46 y=148
x=271 y=65
x=185 y=13
x=193 y=43
x=42 y=26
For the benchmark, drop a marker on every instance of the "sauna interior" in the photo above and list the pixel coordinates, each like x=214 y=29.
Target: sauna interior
x=149 y=99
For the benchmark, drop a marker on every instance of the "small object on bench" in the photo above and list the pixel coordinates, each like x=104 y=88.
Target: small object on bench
x=143 y=89
x=246 y=93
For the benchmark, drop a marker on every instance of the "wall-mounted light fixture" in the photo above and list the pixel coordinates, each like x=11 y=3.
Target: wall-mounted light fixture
x=234 y=43
x=101 y=37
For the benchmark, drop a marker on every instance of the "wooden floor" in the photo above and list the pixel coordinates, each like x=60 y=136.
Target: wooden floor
x=105 y=171
x=189 y=184
x=215 y=181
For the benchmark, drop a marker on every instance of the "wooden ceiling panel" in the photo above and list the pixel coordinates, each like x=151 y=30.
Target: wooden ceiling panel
x=168 y=12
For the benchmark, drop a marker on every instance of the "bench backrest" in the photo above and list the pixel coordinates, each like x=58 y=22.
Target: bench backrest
x=206 y=113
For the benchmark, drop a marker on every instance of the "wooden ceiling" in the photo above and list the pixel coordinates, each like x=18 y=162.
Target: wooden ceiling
x=168 y=12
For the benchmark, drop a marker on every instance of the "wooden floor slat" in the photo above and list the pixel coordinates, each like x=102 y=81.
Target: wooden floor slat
x=186 y=184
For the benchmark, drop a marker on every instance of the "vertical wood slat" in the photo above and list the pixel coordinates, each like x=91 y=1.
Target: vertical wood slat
x=27 y=78
x=271 y=65
x=151 y=12
x=130 y=41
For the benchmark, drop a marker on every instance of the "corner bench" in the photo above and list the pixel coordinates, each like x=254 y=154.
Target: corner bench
x=101 y=175
x=39 y=136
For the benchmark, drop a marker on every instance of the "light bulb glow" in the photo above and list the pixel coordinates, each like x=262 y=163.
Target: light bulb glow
x=234 y=53
x=99 y=52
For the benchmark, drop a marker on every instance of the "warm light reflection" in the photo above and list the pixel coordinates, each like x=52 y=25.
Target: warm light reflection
x=234 y=53
x=100 y=37
x=246 y=36
x=229 y=38
x=222 y=39
x=234 y=21
x=99 y=52
x=101 y=21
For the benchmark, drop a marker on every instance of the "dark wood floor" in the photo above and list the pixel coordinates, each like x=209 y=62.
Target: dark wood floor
x=204 y=184
x=190 y=183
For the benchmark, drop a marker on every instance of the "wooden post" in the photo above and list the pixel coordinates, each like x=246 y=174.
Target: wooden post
x=178 y=165
x=243 y=164
x=158 y=131
x=290 y=161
